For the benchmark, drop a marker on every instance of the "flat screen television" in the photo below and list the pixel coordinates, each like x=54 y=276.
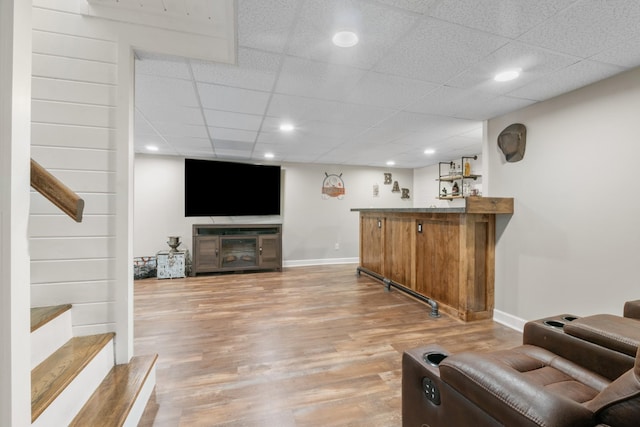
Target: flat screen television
x=218 y=188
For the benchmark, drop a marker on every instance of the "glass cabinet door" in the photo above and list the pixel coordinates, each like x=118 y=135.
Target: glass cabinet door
x=238 y=252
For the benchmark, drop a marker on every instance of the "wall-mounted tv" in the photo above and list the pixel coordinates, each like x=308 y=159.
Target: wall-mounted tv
x=217 y=188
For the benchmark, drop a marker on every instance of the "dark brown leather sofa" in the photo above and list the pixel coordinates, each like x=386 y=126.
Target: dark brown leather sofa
x=569 y=371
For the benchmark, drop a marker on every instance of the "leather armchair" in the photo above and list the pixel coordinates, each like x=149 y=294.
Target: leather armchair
x=632 y=309
x=569 y=371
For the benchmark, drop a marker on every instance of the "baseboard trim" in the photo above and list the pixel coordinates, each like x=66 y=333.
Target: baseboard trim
x=324 y=261
x=509 y=320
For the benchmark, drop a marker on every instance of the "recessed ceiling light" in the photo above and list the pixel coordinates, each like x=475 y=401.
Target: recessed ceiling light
x=429 y=151
x=151 y=147
x=345 y=39
x=391 y=163
x=286 y=127
x=507 y=75
x=268 y=155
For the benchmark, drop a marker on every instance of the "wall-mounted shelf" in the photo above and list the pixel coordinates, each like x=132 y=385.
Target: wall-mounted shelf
x=454 y=179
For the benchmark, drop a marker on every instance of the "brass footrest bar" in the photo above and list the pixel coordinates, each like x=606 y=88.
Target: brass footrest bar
x=388 y=283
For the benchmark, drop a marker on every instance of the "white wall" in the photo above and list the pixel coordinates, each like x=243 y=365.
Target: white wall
x=426 y=186
x=573 y=242
x=312 y=226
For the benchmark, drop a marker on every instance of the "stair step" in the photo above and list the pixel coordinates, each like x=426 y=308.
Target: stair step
x=50 y=329
x=51 y=377
x=122 y=388
x=42 y=315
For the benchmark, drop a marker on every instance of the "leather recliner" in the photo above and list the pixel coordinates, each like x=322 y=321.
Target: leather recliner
x=569 y=371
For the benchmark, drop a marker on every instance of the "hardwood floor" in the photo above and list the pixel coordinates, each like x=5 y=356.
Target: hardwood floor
x=309 y=346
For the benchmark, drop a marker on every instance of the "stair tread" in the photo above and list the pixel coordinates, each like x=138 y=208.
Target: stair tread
x=41 y=315
x=110 y=404
x=55 y=373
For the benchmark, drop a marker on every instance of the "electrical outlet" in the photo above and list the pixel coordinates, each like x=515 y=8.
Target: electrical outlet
x=337 y=247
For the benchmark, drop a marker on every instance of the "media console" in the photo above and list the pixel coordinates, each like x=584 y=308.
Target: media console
x=236 y=247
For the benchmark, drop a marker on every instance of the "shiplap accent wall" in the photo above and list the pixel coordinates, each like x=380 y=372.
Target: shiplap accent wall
x=74 y=87
x=82 y=132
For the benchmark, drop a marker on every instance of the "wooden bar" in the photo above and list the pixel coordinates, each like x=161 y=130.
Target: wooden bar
x=56 y=192
x=444 y=254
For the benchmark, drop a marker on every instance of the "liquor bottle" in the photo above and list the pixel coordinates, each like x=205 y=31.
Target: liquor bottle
x=467 y=169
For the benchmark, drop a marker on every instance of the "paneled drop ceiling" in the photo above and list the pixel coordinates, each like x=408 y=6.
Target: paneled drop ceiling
x=420 y=78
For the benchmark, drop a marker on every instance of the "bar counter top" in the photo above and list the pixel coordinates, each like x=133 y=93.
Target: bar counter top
x=474 y=204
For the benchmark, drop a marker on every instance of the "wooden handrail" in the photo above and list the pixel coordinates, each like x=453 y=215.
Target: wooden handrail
x=58 y=193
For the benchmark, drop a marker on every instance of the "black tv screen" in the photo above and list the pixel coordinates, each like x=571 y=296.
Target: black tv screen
x=217 y=188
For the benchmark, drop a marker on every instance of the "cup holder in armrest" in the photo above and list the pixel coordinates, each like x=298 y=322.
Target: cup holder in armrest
x=554 y=323
x=434 y=358
x=569 y=318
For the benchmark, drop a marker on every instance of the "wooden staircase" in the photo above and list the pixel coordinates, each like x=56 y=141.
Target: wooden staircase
x=74 y=380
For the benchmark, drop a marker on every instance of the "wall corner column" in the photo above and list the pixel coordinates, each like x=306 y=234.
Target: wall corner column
x=124 y=204
x=15 y=170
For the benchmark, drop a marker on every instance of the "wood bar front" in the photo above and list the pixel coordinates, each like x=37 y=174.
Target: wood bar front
x=445 y=254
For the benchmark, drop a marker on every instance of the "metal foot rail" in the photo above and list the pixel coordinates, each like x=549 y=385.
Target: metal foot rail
x=388 y=283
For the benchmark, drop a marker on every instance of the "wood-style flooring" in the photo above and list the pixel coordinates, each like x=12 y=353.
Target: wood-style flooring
x=308 y=346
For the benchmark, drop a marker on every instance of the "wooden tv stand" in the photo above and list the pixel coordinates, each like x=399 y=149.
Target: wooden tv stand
x=236 y=247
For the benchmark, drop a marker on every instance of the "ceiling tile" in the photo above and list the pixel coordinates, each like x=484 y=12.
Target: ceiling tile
x=316 y=79
x=224 y=144
x=351 y=114
x=565 y=80
x=233 y=153
x=187 y=145
x=151 y=139
x=265 y=24
x=154 y=90
x=419 y=6
x=495 y=107
x=233 y=134
x=377 y=27
x=174 y=114
x=436 y=51
x=588 y=27
x=533 y=61
x=298 y=137
x=448 y=101
x=292 y=108
x=508 y=18
x=232 y=99
x=469 y=104
x=379 y=135
x=225 y=119
x=418 y=122
x=390 y=91
x=169 y=129
x=141 y=125
x=625 y=54
x=330 y=130
x=255 y=70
